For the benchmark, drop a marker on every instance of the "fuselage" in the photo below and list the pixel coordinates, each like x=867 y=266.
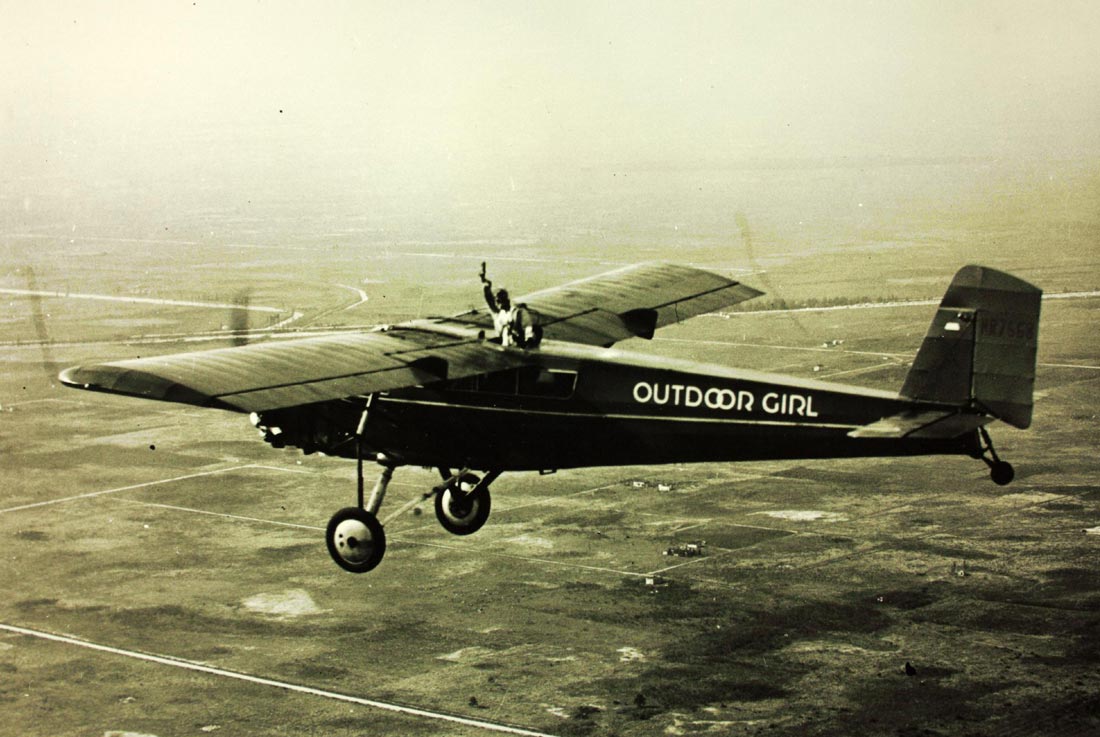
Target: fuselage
x=583 y=406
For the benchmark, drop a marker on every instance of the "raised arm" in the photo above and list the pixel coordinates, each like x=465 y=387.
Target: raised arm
x=488 y=285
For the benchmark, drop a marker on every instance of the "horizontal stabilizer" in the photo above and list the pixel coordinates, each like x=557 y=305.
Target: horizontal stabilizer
x=922 y=424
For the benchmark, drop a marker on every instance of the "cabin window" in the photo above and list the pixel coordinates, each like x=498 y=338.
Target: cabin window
x=530 y=381
x=498 y=382
x=543 y=382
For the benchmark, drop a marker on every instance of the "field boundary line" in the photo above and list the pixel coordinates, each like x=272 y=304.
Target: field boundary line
x=272 y=683
x=131 y=487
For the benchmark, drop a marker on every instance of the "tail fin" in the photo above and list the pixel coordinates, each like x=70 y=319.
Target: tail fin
x=980 y=350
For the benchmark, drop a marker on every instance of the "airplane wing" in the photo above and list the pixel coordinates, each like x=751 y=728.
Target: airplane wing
x=631 y=302
x=601 y=310
x=267 y=376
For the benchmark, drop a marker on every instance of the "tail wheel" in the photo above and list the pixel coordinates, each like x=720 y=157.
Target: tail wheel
x=355 y=540
x=1002 y=473
x=463 y=511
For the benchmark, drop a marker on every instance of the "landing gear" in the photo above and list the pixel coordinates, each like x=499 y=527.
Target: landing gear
x=1000 y=471
x=355 y=537
x=462 y=503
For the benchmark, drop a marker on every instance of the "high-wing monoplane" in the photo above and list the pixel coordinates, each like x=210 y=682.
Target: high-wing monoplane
x=449 y=393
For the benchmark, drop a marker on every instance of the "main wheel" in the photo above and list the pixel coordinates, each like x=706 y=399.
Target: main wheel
x=465 y=512
x=356 y=540
x=1002 y=473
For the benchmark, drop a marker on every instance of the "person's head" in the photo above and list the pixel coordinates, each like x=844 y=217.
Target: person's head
x=502 y=299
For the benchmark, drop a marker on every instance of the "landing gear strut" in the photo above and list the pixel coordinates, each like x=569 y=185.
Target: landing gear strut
x=1000 y=471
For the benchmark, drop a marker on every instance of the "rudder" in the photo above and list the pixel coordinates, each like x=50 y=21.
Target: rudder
x=980 y=349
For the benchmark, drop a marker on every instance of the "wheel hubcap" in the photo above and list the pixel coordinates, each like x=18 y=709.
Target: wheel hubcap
x=353 y=541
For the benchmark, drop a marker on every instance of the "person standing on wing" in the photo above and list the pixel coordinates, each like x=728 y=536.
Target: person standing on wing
x=504 y=315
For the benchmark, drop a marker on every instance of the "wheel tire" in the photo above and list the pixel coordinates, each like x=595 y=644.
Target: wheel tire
x=356 y=540
x=467 y=517
x=1002 y=473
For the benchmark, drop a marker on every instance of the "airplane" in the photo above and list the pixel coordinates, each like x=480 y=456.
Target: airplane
x=449 y=393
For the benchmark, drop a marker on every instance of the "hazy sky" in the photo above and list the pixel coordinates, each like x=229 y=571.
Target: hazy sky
x=91 y=88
